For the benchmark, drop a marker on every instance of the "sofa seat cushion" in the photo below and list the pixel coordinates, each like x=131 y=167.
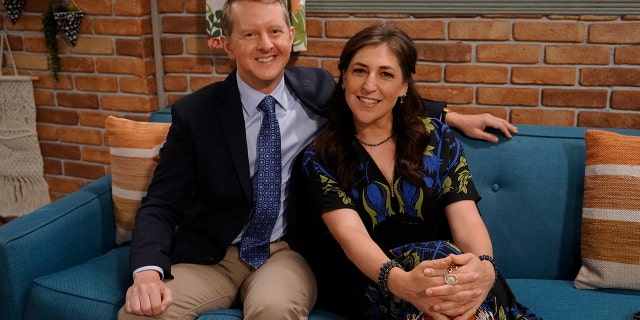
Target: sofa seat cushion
x=236 y=314
x=551 y=298
x=92 y=290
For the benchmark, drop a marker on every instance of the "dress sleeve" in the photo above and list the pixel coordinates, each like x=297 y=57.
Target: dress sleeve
x=457 y=181
x=321 y=187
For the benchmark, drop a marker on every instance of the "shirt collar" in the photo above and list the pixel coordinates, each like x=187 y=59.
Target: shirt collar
x=250 y=97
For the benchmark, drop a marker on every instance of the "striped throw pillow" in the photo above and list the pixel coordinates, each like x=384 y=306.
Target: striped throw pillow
x=611 y=212
x=134 y=148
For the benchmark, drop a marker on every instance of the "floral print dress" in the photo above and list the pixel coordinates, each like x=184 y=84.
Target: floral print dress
x=406 y=220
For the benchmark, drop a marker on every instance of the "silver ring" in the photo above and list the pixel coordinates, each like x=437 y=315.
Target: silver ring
x=450 y=278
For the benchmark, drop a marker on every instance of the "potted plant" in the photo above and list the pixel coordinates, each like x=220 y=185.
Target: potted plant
x=60 y=16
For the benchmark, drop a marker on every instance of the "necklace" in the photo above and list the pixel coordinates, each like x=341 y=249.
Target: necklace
x=375 y=144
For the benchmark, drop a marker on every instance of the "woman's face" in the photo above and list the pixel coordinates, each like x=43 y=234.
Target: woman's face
x=372 y=83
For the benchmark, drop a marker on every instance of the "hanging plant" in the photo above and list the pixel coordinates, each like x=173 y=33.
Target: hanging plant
x=64 y=17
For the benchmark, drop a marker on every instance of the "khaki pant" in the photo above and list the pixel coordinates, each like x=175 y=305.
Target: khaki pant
x=282 y=288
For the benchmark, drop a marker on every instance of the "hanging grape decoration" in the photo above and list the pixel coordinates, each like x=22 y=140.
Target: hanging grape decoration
x=69 y=23
x=14 y=9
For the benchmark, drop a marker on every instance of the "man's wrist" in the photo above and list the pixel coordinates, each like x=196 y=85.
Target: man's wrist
x=147 y=268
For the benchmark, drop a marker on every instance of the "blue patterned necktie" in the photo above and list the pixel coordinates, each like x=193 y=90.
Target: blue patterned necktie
x=254 y=248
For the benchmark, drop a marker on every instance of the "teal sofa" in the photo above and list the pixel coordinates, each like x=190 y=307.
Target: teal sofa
x=61 y=261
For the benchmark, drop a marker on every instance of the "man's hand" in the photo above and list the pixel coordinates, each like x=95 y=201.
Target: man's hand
x=474 y=125
x=148 y=296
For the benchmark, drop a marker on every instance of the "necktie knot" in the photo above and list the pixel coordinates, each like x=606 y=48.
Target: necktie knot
x=267 y=105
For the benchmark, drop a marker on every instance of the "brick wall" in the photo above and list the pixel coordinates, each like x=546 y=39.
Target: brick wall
x=552 y=70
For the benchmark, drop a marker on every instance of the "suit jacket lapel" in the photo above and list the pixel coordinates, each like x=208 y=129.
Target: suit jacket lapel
x=232 y=122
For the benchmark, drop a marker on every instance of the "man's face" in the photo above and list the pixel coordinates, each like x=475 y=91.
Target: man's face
x=260 y=43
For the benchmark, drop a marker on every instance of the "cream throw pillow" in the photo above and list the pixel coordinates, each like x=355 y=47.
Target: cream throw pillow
x=611 y=212
x=134 y=155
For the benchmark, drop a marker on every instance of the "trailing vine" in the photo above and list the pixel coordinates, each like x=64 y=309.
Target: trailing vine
x=50 y=36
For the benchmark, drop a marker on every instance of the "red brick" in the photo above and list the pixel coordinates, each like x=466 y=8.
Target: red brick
x=47 y=132
x=610 y=77
x=627 y=55
x=324 y=48
x=175 y=83
x=549 y=31
x=97 y=83
x=135 y=48
x=52 y=166
x=479 y=30
x=574 y=98
x=224 y=66
x=197 y=83
x=171 y=46
x=129 y=103
x=83 y=170
x=131 y=8
x=194 y=6
x=609 y=120
x=132 y=66
x=146 y=86
x=188 y=65
x=476 y=74
x=123 y=27
x=422 y=29
x=78 y=100
x=31 y=44
x=582 y=55
x=427 y=73
x=625 y=99
x=57 y=116
x=346 y=28
x=77 y=64
x=543 y=75
x=315 y=28
x=543 y=117
x=508 y=53
x=81 y=136
x=170 y=6
x=508 y=96
x=184 y=24
x=95 y=7
x=61 y=151
x=444 y=52
x=628 y=33
x=450 y=94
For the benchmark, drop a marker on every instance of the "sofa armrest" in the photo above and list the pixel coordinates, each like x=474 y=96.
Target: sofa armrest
x=62 y=234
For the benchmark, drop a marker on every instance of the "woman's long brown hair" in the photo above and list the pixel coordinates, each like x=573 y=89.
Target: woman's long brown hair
x=335 y=144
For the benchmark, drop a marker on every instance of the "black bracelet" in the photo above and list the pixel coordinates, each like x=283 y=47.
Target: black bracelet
x=490 y=259
x=384 y=274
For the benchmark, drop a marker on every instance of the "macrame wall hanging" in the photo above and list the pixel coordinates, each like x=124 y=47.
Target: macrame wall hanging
x=22 y=185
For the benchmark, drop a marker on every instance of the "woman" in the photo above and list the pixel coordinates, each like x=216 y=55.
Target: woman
x=394 y=190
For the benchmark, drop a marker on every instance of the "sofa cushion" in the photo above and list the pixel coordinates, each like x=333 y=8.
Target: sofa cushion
x=558 y=299
x=92 y=290
x=610 y=247
x=134 y=151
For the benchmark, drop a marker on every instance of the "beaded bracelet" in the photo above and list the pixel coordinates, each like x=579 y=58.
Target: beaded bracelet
x=384 y=274
x=490 y=259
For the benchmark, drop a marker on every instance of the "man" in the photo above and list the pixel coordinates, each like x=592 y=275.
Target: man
x=189 y=251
